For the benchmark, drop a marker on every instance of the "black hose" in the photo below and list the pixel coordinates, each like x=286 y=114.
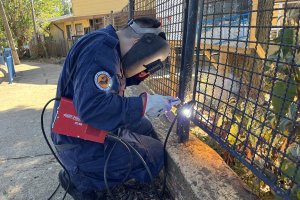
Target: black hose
x=188 y=105
x=69 y=178
x=135 y=151
x=51 y=149
x=105 y=172
x=131 y=160
x=114 y=138
x=54 y=191
x=140 y=157
x=106 y=165
x=166 y=157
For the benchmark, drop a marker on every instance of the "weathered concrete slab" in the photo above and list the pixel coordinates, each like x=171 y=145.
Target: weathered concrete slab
x=27 y=169
x=29 y=178
x=21 y=106
x=196 y=171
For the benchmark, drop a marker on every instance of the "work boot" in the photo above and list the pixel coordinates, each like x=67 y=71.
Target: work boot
x=77 y=195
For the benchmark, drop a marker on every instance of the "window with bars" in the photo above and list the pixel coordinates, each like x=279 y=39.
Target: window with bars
x=79 y=29
x=69 y=31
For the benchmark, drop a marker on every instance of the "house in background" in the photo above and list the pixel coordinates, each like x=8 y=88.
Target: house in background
x=278 y=14
x=87 y=16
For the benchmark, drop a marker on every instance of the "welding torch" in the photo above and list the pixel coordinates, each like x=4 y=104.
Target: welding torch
x=184 y=110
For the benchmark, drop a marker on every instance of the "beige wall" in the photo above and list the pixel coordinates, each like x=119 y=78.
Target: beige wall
x=85 y=24
x=56 y=33
x=96 y=7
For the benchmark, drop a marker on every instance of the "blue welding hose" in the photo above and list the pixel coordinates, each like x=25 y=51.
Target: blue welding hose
x=51 y=149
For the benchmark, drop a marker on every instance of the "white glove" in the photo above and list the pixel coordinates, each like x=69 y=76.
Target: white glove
x=158 y=104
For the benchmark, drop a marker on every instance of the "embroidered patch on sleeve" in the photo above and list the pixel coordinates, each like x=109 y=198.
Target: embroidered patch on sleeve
x=103 y=81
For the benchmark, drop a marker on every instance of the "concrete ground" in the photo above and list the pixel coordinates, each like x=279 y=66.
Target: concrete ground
x=29 y=171
x=27 y=168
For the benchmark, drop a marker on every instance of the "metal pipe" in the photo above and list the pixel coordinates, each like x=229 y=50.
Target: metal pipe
x=185 y=88
x=199 y=33
x=185 y=25
x=112 y=18
x=131 y=9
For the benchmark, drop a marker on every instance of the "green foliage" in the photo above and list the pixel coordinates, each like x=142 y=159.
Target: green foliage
x=46 y=10
x=290 y=171
x=286 y=36
x=19 y=16
x=243 y=123
x=283 y=95
x=66 y=6
x=287 y=125
x=284 y=100
x=276 y=124
x=3 y=41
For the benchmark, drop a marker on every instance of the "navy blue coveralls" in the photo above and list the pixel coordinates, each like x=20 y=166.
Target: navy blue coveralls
x=109 y=110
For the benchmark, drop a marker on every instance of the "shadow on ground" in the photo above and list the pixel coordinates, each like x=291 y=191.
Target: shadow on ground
x=27 y=168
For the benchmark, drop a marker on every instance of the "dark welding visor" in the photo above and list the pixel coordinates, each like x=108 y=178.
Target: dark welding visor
x=147 y=53
x=154 y=66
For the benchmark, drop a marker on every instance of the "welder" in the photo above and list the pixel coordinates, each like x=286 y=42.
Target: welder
x=98 y=68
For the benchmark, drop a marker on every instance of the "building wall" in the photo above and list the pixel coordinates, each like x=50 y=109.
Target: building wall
x=85 y=24
x=56 y=33
x=56 y=45
x=96 y=7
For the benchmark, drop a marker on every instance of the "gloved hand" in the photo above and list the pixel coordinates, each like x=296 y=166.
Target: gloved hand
x=155 y=105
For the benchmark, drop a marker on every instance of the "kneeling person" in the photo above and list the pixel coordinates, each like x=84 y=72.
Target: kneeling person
x=95 y=74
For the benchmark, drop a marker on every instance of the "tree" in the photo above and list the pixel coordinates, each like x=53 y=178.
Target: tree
x=9 y=35
x=66 y=6
x=19 y=15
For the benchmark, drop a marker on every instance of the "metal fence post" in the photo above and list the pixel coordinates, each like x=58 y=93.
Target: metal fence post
x=185 y=88
x=10 y=67
x=112 y=18
x=131 y=9
x=199 y=33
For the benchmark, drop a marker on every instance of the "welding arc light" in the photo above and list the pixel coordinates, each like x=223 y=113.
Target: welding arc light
x=187 y=112
x=187 y=109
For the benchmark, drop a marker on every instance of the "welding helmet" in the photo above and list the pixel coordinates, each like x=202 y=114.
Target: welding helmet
x=148 y=53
